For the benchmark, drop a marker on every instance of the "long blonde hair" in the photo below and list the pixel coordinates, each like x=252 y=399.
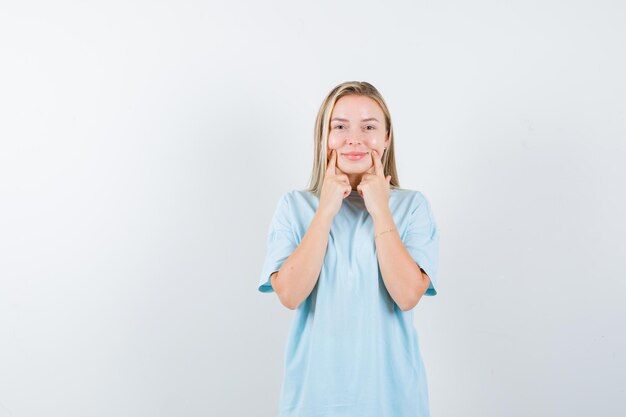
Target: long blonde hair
x=322 y=122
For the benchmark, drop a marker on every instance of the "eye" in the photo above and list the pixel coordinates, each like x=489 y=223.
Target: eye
x=372 y=127
x=337 y=126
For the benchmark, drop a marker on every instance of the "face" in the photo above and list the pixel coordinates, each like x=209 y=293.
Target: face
x=357 y=124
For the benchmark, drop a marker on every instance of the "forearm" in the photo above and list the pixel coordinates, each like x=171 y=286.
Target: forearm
x=300 y=271
x=401 y=274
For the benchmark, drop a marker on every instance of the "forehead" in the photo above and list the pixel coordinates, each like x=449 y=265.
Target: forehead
x=357 y=107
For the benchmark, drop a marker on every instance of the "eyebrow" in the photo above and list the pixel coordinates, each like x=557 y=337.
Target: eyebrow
x=363 y=120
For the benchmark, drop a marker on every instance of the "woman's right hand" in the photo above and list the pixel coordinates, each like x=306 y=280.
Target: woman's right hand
x=335 y=188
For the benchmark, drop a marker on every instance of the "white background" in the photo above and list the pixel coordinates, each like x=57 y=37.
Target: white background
x=144 y=145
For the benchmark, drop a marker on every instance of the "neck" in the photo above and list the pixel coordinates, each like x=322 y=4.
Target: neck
x=355 y=178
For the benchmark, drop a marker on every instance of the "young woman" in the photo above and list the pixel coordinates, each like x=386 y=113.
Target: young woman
x=352 y=254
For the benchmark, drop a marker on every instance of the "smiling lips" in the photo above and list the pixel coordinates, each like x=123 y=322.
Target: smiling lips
x=355 y=156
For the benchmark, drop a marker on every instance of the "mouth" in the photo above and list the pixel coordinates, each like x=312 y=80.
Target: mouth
x=354 y=156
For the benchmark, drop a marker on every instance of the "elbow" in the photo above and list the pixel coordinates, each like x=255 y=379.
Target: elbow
x=410 y=304
x=409 y=301
x=415 y=295
x=281 y=293
x=288 y=303
x=407 y=306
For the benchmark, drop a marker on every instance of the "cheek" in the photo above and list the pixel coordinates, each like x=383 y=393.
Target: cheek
x=333 y=143
x=375 y=143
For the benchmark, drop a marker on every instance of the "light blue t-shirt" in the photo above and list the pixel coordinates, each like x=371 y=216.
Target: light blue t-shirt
x=351 y=351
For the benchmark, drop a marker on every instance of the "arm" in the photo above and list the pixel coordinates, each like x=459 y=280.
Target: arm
x=403 y=278
x=297 y=276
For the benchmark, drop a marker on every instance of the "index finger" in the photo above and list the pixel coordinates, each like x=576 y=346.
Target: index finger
x=330 y=169
x=378 y=165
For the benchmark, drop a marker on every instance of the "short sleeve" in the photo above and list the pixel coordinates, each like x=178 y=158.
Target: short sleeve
x=280 y=243
x=422 y=240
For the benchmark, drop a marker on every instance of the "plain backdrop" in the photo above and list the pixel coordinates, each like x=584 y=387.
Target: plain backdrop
x=144 y=146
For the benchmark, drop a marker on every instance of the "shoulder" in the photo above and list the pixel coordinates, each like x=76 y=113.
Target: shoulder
x=293 y=200
x=414 y=204
x=289 y=196
x=409 y=196
x=298 y=198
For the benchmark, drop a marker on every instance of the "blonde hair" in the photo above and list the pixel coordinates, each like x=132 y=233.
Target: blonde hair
x=322 y=122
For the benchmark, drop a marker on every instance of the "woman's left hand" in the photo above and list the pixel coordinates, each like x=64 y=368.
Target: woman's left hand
x=374 y=187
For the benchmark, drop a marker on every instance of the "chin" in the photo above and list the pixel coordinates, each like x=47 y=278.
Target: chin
x=355 y=170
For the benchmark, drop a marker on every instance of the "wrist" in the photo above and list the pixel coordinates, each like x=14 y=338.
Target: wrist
x=383 y=219
x=323 y=218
